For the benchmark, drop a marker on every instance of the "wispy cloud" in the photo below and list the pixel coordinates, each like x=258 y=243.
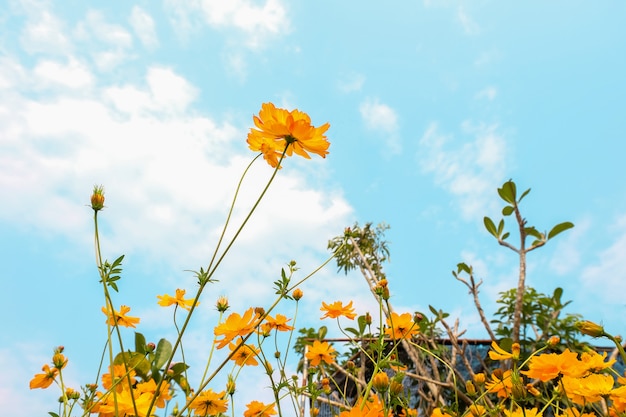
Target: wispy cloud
x=256 y=22
x=351 y=82
x=144 y=27
x=382 y=119
x=470 y=169
x=468 y=24
x=488 y=93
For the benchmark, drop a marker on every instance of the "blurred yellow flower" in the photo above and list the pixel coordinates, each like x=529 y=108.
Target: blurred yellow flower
x=337 y=309
x=548 y=366
x=44 y=380
x=279 y=323
x=320 y=352
x=179 y=300
x=280 y=130
x=121 y=317
x=499 y=354
x=259 y=409
x=523 y=412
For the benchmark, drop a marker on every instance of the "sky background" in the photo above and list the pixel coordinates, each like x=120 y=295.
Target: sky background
x=432 y=106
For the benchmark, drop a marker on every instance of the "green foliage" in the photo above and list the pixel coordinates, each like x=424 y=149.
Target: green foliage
x=109 y=272
x=541 y=318
x=368 y=241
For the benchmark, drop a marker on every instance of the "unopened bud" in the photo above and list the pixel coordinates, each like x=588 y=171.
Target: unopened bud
x=553 y=341
x=470 y=388
x=230 y=386
x=150 y=347
x=368 y=319
x=590 y=328
x=381 y=382
x=396 y=388
x=222 y=304
x=297 y=294
x=479 y=378
x=259 y=310
x=97 y=198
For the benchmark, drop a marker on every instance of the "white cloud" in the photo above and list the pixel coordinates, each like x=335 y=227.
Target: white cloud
x=567 y=252
x=73 y=75
x=257 y=22
x=471 y=170
x=43 y=32
x=383 y=119
x=607 y=277
x=143 y=25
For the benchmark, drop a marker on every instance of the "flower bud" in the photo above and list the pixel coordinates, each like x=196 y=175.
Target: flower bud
x=553 y=341
x=515 y=350
x=231 y=387
x=59 y=360
x=470 y=388
x=590 y=328
x=222 y=304
x=97 y=198
x=396 y=388
x=479 y=378
x=150 y=347
x=314 y=411
x=259 y=310
x=297 y=294
x=532 y=390
x=368 y=318
x=381 y=382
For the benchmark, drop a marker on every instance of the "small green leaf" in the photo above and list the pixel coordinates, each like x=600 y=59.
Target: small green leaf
x=162 y=353
x=133 y=360
x=504 y=236
x=500 y=227
x=507 y=192
x=140 y=343
x=508 y=210
x=490 y=226
x=524 y=194
x=433 y=310
x=463 y=267
x=53 y=414
x=561 y=227
x=321 y=333
x=531 y=231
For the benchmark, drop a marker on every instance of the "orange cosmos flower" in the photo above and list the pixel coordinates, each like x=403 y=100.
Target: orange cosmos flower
x=119 y=376
x=589 y=389
x=548 y=366
x=593 y=361
x=337 y=309
x=121 y=317
x=209 y=403
x=401 y=326
x=320 y=352
x=279 y=130
x=44 y=380
x=236 y=325
x=179 y=300
x=279 y=323
x=258 y=409
x=245 y=355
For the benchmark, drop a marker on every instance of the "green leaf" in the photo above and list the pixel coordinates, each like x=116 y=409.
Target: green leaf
x=162 y=353
x=490 y=226
x=433 y=310
x=500 y=227
x=561 y=227
x=463 y=267
x=352 y=330
x=321 y=333
x=524 y=194
x=133 y=360
x=53 y=414
x=507 y=192
x=140 y=343
x=504 y=236
x=531 y=231
x=508 y=210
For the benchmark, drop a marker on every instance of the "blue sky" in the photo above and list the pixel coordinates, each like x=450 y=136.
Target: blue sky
x=432 y=106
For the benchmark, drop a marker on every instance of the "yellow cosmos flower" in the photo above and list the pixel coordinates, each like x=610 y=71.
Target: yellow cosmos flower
x=259 y=409
x=337 y=309
x=499 y=354
x=280 y=130
x=209 y=403
x=500 y=383
x=179 y=300
x=119 y=376
x=438 y=412
x=279 y=323
x=523 y=412
x=234 y=326
x=320 y=352
x=44 y=380
x=593 y=361
x=150 y=386
x=245 y=355
x=121 y=317
x=400 y=326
